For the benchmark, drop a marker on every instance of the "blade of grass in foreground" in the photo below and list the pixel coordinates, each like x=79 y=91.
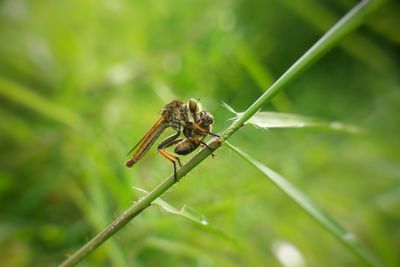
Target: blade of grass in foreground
x=312 y=209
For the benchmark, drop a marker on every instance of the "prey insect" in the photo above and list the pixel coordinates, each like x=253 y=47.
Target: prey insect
x=189 y=119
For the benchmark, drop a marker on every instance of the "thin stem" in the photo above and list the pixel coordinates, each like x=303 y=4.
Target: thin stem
x=347 y=24
x=343 y=27
x=139 y=205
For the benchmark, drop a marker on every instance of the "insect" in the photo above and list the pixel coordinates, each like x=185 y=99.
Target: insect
x=189 y=119
x=195 y=134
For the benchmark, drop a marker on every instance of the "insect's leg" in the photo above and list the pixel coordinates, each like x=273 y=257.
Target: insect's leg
x=213 y=134
x=200 y=130
x=169 y=141
x=171 y=144
x=171 y=158
x=203 y=144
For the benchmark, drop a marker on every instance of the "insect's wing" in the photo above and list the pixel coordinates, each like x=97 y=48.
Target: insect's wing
x=156 y=125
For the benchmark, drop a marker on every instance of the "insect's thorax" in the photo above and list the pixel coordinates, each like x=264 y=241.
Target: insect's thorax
x=177 y=115
x=180 y=117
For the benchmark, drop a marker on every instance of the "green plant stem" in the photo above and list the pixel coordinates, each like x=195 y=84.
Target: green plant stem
x=138 y=206
x=348 y=23
x=343 y=27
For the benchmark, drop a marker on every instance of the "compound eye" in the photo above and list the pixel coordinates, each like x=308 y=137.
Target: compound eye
x=192 y=105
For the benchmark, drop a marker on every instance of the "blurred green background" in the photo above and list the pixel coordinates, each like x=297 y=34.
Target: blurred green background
x=82 y=81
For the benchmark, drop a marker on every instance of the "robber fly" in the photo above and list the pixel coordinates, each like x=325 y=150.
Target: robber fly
x=189 y=119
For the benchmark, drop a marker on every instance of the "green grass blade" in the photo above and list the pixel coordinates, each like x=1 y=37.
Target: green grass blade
x=267 y=120
x=192 y=215
x=28 y=98
x=320 y=17
x=342 y=28
x=316 y=213
x=185 y=212
x=259 y=73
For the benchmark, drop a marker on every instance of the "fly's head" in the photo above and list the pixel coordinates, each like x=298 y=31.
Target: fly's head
x=199 y=115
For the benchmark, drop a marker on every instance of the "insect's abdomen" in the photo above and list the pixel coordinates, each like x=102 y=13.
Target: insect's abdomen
x=186 y=146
